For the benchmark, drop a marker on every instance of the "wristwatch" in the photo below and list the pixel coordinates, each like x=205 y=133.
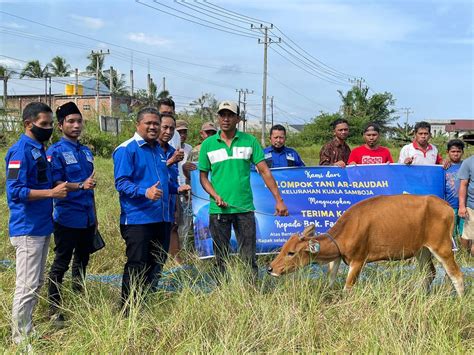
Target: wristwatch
x=81 y=186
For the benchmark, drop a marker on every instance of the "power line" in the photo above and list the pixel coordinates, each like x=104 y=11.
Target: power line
x=141 y=62
x=191 y=7
x=313 y=72
x=220 y=28
x=298 y=93
x=251 y=20
x=114 y=44
x=236 y=13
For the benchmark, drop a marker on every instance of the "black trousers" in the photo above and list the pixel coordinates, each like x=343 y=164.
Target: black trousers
x=245 y=232
x=146 y=249
x=68 y=242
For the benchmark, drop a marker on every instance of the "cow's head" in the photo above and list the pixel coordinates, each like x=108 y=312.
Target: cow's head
x=295 y=253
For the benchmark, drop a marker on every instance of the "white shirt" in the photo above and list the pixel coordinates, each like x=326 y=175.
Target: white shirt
x=420 y=157
x=187 y=150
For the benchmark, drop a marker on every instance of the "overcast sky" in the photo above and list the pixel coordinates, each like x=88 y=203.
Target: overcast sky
x=420 y=51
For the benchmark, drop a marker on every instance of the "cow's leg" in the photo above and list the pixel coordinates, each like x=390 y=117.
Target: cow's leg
x=446 y=257
x=332 y=272
x=354 y=270
x=426 y=266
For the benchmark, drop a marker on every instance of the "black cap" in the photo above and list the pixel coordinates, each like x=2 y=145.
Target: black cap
x=67 y=109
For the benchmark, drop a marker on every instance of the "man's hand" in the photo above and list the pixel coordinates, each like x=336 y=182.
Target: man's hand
x=153 y=192
x=408 y=160
x=340 y=164
x=188 y=166
x=90 y=182
x=184 y=188
x=447 y=164
x=281 y=209
x=60 y=190
x=177 y=156
x=220 y=202
x=462 y=212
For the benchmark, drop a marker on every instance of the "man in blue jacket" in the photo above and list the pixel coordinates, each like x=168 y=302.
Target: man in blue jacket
x=29 y=194
x=144 y=183
x=278 y=155
x=74 y=217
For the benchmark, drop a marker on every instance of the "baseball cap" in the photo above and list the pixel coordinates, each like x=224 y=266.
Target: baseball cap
x=229 y=105
x=208 y=126
x=181 y=124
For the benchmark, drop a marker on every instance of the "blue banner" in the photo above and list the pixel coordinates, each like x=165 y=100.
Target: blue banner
x=315 y=195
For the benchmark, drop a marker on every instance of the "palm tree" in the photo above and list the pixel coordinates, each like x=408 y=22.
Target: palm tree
x=59 y=67
x=5 y=74
x=119 y=86
x=92 y=67
x=206 y=104
x=33 y=69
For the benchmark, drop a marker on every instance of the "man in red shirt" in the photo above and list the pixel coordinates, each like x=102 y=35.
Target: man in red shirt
x=370 y=152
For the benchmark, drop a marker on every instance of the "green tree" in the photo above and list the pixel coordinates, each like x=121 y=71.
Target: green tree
x=91 y=68
x=33 y=69
x=59 y=67
x=319 y=131
x=359 y=108
x=5 y=74
x=205 y=107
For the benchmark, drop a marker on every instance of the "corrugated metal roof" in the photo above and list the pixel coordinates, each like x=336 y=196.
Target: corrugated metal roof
x=36 y=86
x=460 y=125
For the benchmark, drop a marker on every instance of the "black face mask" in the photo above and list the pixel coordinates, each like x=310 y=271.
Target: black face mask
x=41 y=134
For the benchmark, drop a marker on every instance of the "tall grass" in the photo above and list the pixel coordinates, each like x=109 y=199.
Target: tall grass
x=387 y=311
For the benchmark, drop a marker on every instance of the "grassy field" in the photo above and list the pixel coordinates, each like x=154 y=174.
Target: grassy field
x=386 y=312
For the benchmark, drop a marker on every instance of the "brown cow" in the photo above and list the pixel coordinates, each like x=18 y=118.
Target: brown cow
x=379 y=228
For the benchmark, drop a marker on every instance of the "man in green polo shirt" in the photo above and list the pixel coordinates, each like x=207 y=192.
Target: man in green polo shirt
x=228 y=155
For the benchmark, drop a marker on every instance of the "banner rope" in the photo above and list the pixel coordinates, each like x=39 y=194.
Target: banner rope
x=236 y=207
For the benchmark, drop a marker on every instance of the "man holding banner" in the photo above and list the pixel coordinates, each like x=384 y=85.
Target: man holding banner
x=228 y=155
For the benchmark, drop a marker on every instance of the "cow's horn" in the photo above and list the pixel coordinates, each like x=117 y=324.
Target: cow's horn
x=309 y=230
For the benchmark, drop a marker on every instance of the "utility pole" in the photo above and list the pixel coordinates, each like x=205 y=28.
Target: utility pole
x=244 y=112
x=407 y=111
x=111 y=87
x=240 y=91
x=5 y=85
x=148 y=84
x=271 y=105
x=98 y=56
x=164 y=84
x=131 y=81
x=266 y=42
x=50 y=98
x=76 y=85
x=46 y=89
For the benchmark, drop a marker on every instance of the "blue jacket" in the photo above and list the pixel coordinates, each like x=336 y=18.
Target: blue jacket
x=286 y=157
x=138 y=166
x=72 y=162
x=173 y=179
x=28 y=169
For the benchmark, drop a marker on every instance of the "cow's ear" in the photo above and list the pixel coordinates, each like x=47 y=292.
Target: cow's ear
x=313 y=246
x=309 y=231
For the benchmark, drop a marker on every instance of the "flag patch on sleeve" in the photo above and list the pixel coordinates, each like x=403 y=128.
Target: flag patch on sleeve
x=13 y=169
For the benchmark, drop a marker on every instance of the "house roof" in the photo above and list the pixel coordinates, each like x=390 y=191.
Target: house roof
x=297 y=127
x=36 y=86
x=460 y=125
